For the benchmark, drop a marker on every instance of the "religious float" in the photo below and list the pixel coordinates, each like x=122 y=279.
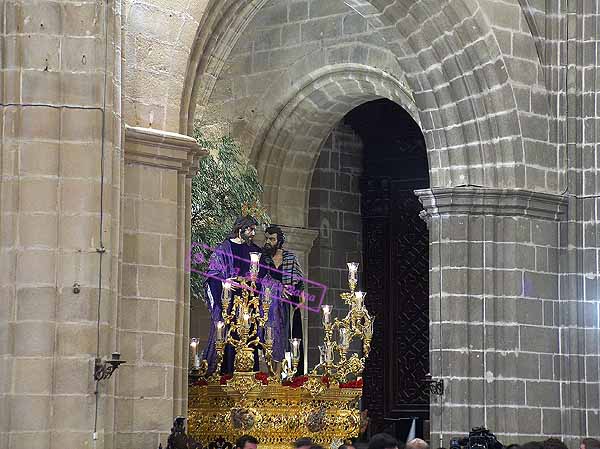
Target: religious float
x=278 y=406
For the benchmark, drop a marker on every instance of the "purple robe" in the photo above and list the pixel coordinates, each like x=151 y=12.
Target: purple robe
x=230 y=260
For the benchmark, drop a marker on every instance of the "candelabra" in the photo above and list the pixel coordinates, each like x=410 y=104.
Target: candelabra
x=356 y=324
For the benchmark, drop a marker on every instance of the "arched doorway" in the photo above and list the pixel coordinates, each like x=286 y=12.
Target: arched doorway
x=362 y=201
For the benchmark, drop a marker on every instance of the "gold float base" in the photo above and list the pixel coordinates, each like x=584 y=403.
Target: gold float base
x=275 y=414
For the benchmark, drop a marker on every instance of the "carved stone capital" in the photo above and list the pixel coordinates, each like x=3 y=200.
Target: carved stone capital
x=485 y=201
x=299 y=239
x=157 y=148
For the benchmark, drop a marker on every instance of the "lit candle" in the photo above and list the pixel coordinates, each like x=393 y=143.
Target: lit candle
x=359 y=298
x=352 y=268
x=295 y=342
x=246 y=318
x=220 y=326
x=194 y=353
x=326 y=313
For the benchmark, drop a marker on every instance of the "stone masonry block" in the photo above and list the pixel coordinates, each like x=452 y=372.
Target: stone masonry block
x=326 y=28
x=143 y=249
x=63 y=416
x=539 y=339
x=36 y=267
x=29 y=413
x=32 y=376
x=543 y=394
x=73 y=376
x=158 y=348
x=319 y=8
x=157 y=282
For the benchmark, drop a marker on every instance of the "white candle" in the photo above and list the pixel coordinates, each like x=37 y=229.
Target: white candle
x=295 y=348
x=359 y=298
x=194 y=353
x=326 y=313
x=352 y=271
x=246 y=318
x=220 y=326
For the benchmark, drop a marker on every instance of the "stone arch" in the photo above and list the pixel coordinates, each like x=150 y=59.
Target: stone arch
x=453 y=66
x=287 y=147
x=222 y=25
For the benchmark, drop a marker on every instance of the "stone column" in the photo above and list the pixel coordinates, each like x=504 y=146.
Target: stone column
x=154 y=300
x=60 y=133
x=494 y=329
x=300 y=241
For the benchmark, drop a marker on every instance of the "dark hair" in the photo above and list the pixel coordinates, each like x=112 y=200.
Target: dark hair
x=591 y=443
x=274 y=229
x=532 y=445
x=241 y=224
x=513 y=446
x=382 y=441
x=316 y=446
x=241 y=442
x=553 y=443
x=302 y=441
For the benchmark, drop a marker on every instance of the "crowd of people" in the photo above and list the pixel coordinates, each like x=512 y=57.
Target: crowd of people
x=386 y=441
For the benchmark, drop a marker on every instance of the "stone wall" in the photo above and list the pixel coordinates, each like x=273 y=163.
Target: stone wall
x=335 y=213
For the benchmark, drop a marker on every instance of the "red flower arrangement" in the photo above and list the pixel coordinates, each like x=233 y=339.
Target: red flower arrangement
x=358 y=383
x=263 y=377
x=200 y=383
x=225 y=378
x=297 y=382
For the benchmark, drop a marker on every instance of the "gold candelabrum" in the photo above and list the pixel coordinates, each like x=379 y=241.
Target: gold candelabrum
x=278 y=407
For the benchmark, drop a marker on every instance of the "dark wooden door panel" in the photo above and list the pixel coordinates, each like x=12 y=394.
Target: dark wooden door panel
x=396 y=269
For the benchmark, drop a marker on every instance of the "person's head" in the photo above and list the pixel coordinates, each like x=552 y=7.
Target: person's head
x=316 y=446
x=513 y=446
x=532 y=445
x=589 y=443
x=417 y=443
x=346 y=446
x=246 y=442
x=303 y=443
x=553 y=443
x=383 y=441
x=244 y=228
x=274 y=240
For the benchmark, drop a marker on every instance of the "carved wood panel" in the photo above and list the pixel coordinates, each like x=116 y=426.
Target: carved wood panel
x=396 y=269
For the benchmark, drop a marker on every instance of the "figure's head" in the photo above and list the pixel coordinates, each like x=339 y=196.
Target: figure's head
x=303 y=443
x=274 y=239
x=246 y=442
x=383 y=441
x=244 y=228
x=346 y=446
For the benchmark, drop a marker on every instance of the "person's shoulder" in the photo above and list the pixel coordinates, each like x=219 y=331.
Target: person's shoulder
x=287 y=254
